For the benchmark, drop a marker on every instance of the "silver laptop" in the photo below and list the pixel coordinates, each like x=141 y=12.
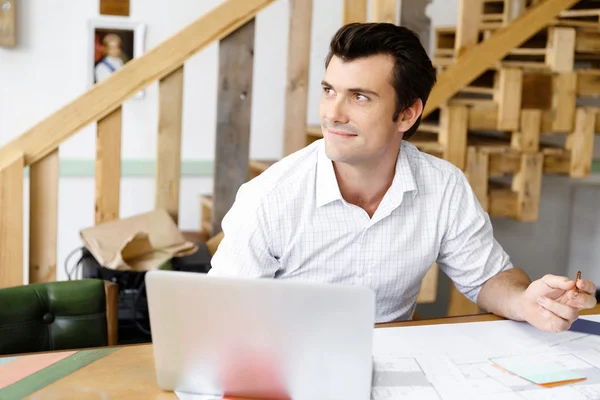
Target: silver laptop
x=261 y=338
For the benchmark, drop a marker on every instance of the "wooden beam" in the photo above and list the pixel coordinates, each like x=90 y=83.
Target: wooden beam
x=296 y=99
x=474 y=61
x=8 y=23
x=508 y=96
x=467 y=30
x=236 y=59
x=581 y=143
x=108 y=95
x=108 y=167
x=354 y=11
x=11 y=221
x=384 y=11
x=528 y=186
x=168 y=160
x=43 y=219
x=564 y=101
x=527 y=139
x=453 y=134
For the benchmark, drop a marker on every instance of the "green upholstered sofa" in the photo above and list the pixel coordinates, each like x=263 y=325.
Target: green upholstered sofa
x=58 y=316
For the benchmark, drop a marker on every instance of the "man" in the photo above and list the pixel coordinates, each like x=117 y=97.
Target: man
x=364 y=207
x=111 y=61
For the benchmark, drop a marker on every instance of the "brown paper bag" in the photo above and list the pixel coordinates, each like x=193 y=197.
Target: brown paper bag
x=141 y=243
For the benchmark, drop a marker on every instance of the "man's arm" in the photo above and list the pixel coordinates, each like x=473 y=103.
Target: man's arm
x=246 y=249
x=501 y=294
x=480 y=268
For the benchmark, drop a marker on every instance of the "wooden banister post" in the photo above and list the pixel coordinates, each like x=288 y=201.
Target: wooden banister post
x=168 y=160
x=296 y=98
x=234 y=106
x=354 y=11
x=11 y=221
x=43 y=218
x=384 y=11
x=108 y=167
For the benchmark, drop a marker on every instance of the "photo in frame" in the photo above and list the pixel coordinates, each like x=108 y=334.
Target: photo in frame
x=113 y=42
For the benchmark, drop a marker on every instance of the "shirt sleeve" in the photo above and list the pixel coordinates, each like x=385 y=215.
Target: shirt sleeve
x=245 y=250
x=469 y=253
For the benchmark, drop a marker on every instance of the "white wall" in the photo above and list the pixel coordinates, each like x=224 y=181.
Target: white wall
x=48 y=69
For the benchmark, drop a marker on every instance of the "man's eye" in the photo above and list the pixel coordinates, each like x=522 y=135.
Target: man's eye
x=360 y=97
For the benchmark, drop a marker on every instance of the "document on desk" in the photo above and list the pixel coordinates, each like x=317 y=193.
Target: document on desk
x=474 y=360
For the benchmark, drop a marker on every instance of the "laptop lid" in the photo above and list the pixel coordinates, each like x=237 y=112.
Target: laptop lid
x=261 y=338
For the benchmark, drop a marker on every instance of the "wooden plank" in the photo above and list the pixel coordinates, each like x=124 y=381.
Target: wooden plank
x=588 y=84
x=114 y=7
x=467 y=30
x=168 y=160
x=429 y=286
x=453 y=134
x=508 y=97
x=537 y=91
x=527 y=139
x=354 y=11
x=563 y=104
x=581 y=143
x=414 y=17
x=43 y=219
x=477 y=174
x=236 y=59
x=587 y=41
x=296 y=95
x=108 y=167
x=8 y=23
x=11 y=221
x=561 y=49
x=477 y=59
x=528 y=185
x=108 y=95
x=384 y=11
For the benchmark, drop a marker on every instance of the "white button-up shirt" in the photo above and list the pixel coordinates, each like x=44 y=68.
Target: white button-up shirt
x=291 y=222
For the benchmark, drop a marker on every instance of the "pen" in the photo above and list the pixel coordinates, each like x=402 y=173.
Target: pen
x=577 y=280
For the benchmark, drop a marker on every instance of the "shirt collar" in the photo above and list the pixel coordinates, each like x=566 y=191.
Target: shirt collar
x=328 y=189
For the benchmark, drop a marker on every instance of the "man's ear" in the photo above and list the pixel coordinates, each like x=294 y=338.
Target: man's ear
x=409 y=116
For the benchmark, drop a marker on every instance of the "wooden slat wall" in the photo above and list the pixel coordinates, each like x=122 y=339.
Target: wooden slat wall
x=11 y=222
x=236 y=59
x=43 y=219
x=296 y=100
x=168 y=160
x=108 y=167
x=354 y=11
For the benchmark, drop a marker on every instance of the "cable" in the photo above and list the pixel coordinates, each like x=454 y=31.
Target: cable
x=74 y=269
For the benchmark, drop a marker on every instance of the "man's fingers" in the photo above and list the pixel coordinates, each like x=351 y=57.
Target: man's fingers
x=558 y=282
x=563 y=311
x=552 y=322
x=587 y=286
x=582 y=300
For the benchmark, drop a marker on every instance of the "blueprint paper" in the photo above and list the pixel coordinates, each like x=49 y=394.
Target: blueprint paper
x=454 y=361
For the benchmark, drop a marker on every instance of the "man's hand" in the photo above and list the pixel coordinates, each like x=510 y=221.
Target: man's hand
x=551 y=304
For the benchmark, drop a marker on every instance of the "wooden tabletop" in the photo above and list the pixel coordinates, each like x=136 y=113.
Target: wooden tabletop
x=128 y=373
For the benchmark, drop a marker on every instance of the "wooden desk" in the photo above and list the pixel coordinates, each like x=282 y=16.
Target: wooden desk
x=129 y=372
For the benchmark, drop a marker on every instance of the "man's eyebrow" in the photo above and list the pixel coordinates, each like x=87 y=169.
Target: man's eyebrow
x=352 y=90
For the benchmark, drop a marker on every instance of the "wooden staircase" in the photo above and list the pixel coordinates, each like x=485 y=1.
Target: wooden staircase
x=471 y=59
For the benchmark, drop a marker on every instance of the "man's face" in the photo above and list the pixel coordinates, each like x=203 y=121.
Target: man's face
x=357 y=106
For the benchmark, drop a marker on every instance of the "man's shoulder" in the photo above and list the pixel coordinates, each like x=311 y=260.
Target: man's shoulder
x=286 y=172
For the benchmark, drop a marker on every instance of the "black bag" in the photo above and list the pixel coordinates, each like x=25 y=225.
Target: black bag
x=133 y=305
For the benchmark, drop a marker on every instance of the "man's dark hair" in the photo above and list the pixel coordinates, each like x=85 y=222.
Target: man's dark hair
x=413 y=75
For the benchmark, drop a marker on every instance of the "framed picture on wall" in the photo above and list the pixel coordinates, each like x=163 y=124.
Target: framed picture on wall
x=113 y=42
